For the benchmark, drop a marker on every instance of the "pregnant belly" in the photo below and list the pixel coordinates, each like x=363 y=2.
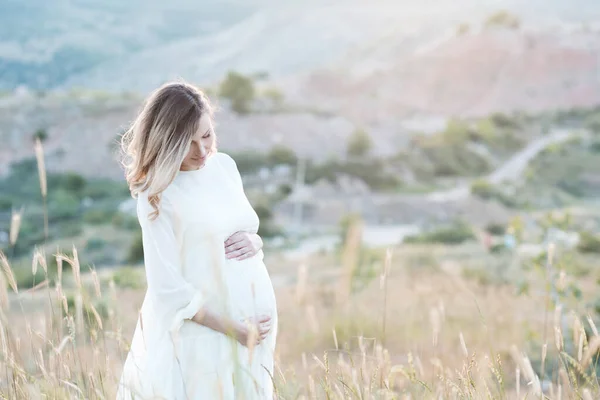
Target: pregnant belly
x=249 y=288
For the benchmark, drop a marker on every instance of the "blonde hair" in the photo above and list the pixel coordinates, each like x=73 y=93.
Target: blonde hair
x=160 y=137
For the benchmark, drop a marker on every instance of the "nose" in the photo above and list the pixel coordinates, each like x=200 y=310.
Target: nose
x=202 y=151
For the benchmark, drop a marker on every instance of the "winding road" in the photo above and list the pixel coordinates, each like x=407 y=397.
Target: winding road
x=512 y=169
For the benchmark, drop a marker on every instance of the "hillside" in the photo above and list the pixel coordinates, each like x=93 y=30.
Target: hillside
x=134 y=46
x=474 y=73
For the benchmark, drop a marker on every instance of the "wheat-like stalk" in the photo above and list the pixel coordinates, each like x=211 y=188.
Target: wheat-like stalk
x=96 y=282
x=15 y=226
x=463 y=345
x=301 y=285
x=38 y=259
x=4 y=303
x=41 y=164
x=8 y=272
x=349 y=261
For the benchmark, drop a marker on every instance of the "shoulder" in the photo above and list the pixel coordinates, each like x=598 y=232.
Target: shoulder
x=225 y=160
x=144 y=208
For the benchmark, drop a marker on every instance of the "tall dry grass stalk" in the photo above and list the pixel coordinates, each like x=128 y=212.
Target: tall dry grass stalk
x=8 y=272
x=39 y=259
x=302 y=284
x=15 y=226
x=383 y=285
x=41 y=164
x=350 y=258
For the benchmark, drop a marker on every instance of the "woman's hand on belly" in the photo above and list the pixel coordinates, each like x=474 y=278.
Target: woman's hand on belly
x=253 y=330
x=242 y=245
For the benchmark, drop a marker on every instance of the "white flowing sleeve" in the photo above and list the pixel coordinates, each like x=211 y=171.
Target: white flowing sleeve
x=232 y=169
x=173 y=298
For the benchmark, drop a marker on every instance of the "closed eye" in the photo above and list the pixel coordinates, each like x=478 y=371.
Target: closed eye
x=206 y=135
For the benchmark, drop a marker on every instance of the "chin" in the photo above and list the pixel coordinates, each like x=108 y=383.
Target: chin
x=199 y=164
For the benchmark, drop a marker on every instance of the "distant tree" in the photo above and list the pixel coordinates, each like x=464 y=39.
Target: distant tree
x=588 y=243
x=504 y=121
x=592 y=122
x=486 y=128
x=280 y=154
x=74 y=182
x=359 y=143
x=457 y=132
x=274 y=96
x=240 y=90
x=135 y=253
x=260 y=75
x=209 y=91
x=482 y=188
x=463 y=29
x=503 y=19
x=41 y=134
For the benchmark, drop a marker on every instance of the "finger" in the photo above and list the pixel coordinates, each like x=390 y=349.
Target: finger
x=236 y=245
x=264 y=332
x=236 y=253
x=236 y=237
x=246 y=255
x=263 y=319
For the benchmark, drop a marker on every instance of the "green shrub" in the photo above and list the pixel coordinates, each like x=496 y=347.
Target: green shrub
x=456 y=233
x=263 y=211
x=268 y=229
x=90 y=320
x=275 y=96
x=482 y=188
x=239 y=89
x=495 y=229
x=99 y=189
x=463 y=29
x=26 y=279
x=125 y=221
x=592 y=122
x=359 y=143
x=282 y=155
x=588 y=243
x=503 y=19
x=372 y=172
x=504 y=121
x=6 y=203
x=249 y=162
x=66 y=229
x=129 y=277
x=94 y=244
x=98 y=216
x=70 y=182
x=455 y=160
x=63 y=204
x=135 y=254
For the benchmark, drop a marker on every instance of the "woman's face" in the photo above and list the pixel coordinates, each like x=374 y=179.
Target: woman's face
x=202 y=143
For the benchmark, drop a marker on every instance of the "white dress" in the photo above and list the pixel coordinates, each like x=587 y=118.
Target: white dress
x=172 y=357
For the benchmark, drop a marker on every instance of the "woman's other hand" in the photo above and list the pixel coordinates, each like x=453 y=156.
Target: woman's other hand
x=242 y=245
x=253 y=331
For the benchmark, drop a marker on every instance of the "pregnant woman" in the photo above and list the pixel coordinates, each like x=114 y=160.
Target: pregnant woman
x=207 y=326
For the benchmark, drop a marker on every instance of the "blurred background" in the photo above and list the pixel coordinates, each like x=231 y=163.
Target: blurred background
x=427 y=174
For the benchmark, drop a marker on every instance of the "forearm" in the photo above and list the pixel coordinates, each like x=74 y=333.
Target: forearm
x=215 y=322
